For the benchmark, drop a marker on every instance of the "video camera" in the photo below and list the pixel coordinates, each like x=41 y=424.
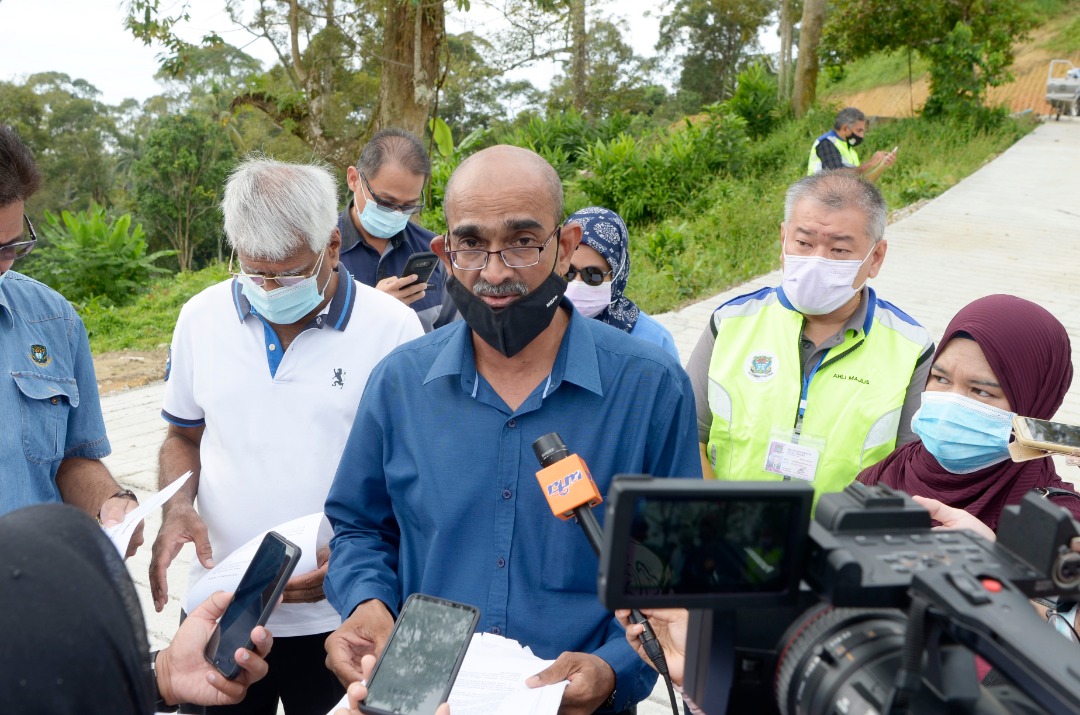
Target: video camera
x=866 y=611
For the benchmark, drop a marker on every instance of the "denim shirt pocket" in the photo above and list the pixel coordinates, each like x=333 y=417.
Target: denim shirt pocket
x=45 y=403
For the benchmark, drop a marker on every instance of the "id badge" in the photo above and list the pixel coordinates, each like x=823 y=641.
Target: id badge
x=793 y=459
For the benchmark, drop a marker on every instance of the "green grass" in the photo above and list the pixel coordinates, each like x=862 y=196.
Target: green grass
x=879 y=69
x=731 y=233
x=146 y=324
x=1067 y=39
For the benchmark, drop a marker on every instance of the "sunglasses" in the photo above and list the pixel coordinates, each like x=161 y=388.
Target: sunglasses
x=590 y=274
x=407 y=209
x=19 y=249
x=283 y=281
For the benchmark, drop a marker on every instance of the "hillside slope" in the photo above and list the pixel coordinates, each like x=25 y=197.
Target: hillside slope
x=1025 y=92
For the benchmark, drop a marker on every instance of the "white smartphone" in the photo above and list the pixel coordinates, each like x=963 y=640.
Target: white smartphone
x=1047 y=436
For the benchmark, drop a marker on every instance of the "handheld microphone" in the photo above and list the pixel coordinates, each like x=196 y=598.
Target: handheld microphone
x=570 y=491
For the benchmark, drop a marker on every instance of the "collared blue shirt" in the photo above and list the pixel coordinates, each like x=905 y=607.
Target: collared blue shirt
x=436 y=491
x=368 y=267
x=48 y=394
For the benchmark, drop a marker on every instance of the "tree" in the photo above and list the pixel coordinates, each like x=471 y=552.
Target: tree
x=715 y=39
x=967 y=42
x=804 y=93
x=616 y=80
x=177 y=184
x=73 y=136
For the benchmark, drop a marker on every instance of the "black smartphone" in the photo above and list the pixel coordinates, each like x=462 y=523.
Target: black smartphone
x=422 y=264
x=421 y=659
x=254 y=600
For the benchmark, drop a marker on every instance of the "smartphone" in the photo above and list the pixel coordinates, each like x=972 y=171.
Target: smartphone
x=421 y=659
x=422 y=264
x=1047 y=436
x=254 y=600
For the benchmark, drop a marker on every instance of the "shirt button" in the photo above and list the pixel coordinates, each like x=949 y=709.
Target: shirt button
x=496 y=630
x=507 y=494
x=271 y=347
x=512 y=423
x=55 y=400
x=501 y=562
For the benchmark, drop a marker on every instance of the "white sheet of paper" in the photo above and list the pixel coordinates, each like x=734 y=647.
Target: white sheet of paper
x=121 y=533
x=308 y=532
x=492 y=681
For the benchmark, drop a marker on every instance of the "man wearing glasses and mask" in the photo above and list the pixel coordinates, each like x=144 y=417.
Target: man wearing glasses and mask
x=54 y=435
x=436 y=491
x=265 y=373
x=377 y=235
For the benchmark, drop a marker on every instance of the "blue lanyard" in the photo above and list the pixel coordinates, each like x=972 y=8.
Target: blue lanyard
x=806 y=391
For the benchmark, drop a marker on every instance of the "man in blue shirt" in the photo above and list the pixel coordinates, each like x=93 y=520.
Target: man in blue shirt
x=436 y=491
x=54 y=435
x=377 y=236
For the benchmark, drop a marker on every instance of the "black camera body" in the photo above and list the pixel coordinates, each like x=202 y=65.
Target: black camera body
x=867 y=610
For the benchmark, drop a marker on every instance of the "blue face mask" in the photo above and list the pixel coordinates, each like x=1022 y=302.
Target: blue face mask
x=963 y=434
x=380 y=222
x=287 y=304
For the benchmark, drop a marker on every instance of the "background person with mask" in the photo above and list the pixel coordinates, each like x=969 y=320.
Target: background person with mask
x=599 y=270
x=1000 y=356
x=377 y=237
x=819 y=372
x=265 y=372
x=836 y=148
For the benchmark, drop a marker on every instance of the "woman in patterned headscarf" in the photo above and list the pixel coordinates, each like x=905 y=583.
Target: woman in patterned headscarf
x=598 y=274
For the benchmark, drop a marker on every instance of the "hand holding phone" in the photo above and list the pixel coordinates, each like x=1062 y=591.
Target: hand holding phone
x=254 y=600
x=422 y=265
x=421 y=659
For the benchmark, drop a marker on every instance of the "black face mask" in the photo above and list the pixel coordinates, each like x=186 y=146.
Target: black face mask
x=509 y=330
x=854 y=140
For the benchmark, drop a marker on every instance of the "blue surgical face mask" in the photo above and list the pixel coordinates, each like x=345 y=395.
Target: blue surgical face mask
x=380 y=222
x=963 y=434
x=287 y=304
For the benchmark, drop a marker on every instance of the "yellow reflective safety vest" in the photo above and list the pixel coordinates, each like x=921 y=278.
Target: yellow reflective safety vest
x=853 y=401
x=847 y=153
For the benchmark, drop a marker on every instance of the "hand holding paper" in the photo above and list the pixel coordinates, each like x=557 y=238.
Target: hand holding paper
x=121 y=533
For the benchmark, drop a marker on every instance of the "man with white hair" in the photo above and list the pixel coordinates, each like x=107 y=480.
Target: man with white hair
x=265 y=372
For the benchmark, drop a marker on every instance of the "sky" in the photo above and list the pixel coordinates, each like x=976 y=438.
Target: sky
x=86 y=39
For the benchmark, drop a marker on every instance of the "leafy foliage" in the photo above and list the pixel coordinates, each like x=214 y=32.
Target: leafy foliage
x=715 y=39
x=87 y=255
x=650 y=177
x=755 y=100
x=177 y=185
x=968 y=43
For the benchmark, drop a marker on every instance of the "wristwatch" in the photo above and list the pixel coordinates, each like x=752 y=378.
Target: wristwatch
x=122 y=494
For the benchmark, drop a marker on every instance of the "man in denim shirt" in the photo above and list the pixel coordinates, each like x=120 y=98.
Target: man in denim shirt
x=54 y=435
x=436 y=490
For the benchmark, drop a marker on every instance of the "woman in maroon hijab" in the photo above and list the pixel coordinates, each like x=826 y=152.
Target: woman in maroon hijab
x=1001 y=355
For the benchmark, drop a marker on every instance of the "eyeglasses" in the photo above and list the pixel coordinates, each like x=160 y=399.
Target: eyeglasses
x=474 y=259
x=283 y=281
x=19 y=249
x=592 y=275
x=1061 y=625
x=408 y=210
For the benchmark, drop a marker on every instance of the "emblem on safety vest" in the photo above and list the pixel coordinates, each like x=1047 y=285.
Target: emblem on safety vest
x=761 y=366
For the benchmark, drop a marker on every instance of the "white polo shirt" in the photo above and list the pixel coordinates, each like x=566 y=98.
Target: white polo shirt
x=275 y=423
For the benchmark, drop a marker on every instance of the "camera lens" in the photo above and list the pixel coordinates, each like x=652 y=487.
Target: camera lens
x=1067 y=570
x=839 y=655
